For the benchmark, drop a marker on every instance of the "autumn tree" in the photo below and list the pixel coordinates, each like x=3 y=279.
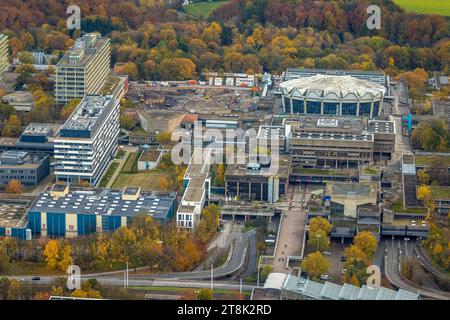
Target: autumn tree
x=164 y=184
x=319 y=223
x=58 y=254
x=220 y=175
x=131 y=70
x=209 y=223
x=318 y=240
x=315 y=264
x=367 y=242
x=205 y=294
x=425 y=195
x=125 y=246
x=416 y=82
x=423 y=177
x=164 y=137
x=318 y=231
x=51 y=254
x=67 y=110
x=12 y=127
x=14 y=186
x=266 y=270
x=103 y=251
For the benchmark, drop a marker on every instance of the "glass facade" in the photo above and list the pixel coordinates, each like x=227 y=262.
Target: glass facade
x=287 y=105
x=376 y=109
x=364 y=108
x=313 y=107
x=349 y=109
x=331 y=107
x=298 y=106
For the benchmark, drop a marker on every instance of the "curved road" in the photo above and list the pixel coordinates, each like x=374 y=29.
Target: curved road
x=234 y=263
x=392 y=271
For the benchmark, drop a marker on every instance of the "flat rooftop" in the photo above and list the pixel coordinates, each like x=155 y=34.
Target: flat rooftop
x=22 y=159
x=12 y=214
x=263 y=171
x=87 y=116
x=377 y=126
x=321 y=123
x=364 y=189
x=45 y=129
x=162 y=114
x=150 y=155
x=325 y=172
x=331 y=136
x=440 y=192
x=427 y=160
x=271 y=131
x=83 y=50
x=19 y=96
x=106 y=202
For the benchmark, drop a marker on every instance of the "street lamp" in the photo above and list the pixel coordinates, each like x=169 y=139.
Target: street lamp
x=318 y=239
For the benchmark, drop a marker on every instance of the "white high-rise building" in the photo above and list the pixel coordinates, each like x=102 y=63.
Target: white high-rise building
x=87 y=141
x=84 y=69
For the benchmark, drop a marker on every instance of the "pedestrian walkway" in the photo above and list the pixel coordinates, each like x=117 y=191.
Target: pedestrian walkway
x=291 y=232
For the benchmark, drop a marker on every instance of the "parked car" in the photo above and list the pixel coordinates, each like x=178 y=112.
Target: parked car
x=343 y=258
x=327 y=253
x=325 y=277
x=36 y=278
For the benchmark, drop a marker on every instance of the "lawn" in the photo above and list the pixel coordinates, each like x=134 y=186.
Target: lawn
x=109 y=173
x=398 y=207
x=320 y=171
x=147 y=180
x=441 y=7
x=442 y=193
x=427 y=160
x=202 y=10
x=130 y=165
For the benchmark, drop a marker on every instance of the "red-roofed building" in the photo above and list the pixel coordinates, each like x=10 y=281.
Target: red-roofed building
x=188 y=121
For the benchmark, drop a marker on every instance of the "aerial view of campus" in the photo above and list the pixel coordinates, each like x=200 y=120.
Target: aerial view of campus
x=230 y=150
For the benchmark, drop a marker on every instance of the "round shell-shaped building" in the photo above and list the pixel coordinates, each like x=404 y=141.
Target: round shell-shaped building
x=332 y=95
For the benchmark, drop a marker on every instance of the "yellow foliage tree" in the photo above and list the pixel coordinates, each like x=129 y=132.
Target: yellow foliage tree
x=65 y=256
x=315 y=264
x=319 y=223
x=51 y=254
x=367 y=242
x=14 y=186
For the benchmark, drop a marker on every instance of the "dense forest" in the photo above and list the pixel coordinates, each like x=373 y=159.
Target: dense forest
x=158 y=40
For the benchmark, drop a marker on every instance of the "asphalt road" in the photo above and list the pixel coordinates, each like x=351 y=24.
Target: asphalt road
x=116 y=281
x=392 y=272
x=252 y=255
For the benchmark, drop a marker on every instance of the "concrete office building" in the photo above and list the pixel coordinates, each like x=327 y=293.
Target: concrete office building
x=88 y=140
x=28 y=168
x=339 y=142
x=197 y=187
x=20 y=100
x=62 y=212
x=160 y=120
x=256 y=181
x=331 y=150
x=4 y=55
x=84 y=69
x=332 y=95
x=353 y=208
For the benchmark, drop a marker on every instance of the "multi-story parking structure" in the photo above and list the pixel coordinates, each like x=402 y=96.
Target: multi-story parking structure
x=87 y=141
x=84 y=69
